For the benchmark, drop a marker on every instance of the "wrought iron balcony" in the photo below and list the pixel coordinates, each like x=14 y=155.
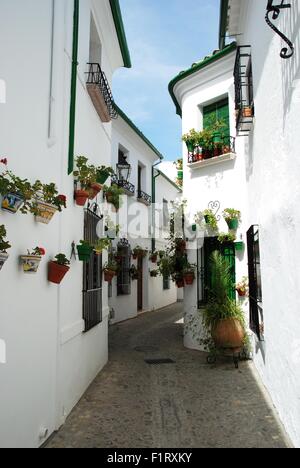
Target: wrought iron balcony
x=244 y=100
x=128 y=188
x=144 y=198
x=100 y=93
x=217 y=152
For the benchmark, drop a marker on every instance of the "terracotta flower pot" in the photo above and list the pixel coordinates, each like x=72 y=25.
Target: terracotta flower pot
x=3 y=258
x=45 y=212
x=180 y=284
x=241 y=292
x=81 y=197
x=228 y=333
x=109 y=275
x=189 y=279
x=153 y=258
x=95 y=189
x=247 y=112
x=30 y=263
x=12 y=202
x=56 y=272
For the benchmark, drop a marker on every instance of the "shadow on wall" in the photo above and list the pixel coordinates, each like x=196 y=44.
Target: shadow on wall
x=290 y=25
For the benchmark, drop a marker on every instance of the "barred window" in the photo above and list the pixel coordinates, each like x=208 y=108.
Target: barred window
x=166 y=282
x=255 y=284
x=124 y=276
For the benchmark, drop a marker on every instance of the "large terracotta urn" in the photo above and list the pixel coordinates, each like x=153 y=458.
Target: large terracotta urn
x=229 y=333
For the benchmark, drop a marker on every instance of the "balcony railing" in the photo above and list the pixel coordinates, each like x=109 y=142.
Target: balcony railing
x=100 y=93
x=244 y=100
x=128 y=188
x=144 y=198
x=217 y=150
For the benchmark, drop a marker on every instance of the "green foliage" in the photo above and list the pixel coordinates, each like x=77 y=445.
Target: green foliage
x=225 y=237
x=49 y=194
x=140 y=251
x=61 y=259
x=102 y=244
x=114 y=195
x=230 y=214
x=220 y=306
x=10 y=183
x=4 y=245
x=211 y=219
x=111 y=265
x=85 y=173
x=154 y=273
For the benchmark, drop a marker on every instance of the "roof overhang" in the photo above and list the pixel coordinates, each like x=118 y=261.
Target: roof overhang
x=118 y=20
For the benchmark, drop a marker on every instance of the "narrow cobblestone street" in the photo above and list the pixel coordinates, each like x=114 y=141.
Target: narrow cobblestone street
x=188 y=404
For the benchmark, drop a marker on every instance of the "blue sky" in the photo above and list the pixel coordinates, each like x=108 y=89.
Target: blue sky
x=164 y=37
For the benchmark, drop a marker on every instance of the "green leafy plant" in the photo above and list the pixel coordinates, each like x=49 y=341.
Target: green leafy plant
x=231 y=214
x=210 y=219
x=114 y=195
x=179 y=164
x=37 y=252
x=111 y=265
x=225 y=237
x=139 y=251
x=4 y=244
x=192 y=137
x=102 y=244
x=12 y=184
x=49 y=194
x=220 y=306
x=61 y=259
x=103 y=172
x=86 y=174
x=154 y=273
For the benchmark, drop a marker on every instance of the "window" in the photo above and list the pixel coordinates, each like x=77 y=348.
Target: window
x=244 y=94
x=166 y=282
x=92 y=276
x=219 y=111
x=166 y=214
x=124 y=276
x=255 y=283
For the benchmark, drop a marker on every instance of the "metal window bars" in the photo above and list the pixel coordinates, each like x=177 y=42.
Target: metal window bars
x=255 y=287
x=124 y=275
x=128 y=188
x=225 y=146
x=143 y=197
x=244 y=97
x=96 y=77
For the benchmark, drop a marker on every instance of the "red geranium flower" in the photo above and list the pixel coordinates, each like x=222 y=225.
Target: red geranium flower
x=42 y=251
x=4 y=161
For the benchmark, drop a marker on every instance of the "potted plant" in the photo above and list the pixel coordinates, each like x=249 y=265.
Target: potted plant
x=232 y=218
x=139 y=252
x=110 y=270
x=211 y=220
x=113 y=196
x=223 y=318
x=58 y=268
x=180 y=245
x=226 y=238
x=179 y=280
x=247 y=111
x=84 y=250
x=189 y=274
x=242 y=287
x=85 y=176
x=161 y=254
x=206 y=142
x=47 y=202
x=191 y=140
x=102 y=244
x=31 y=262
x=239 y=246
x=154 y=257
x=16 y=193
x=165 y=267
x=154 y=273
x=103 y=173
x=4 y=246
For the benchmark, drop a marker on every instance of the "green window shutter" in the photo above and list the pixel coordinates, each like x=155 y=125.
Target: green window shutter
x=217 y=111
x=228 y=252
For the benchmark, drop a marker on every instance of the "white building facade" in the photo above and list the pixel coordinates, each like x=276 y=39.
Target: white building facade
x=51 y=349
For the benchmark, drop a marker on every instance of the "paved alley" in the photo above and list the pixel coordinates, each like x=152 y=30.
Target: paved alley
x=185 y=404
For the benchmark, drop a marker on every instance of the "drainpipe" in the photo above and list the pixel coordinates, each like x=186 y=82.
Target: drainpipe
x=154 y=177
x=73 y=87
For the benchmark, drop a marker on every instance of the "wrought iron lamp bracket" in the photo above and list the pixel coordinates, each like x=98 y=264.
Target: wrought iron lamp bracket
x=275 y=11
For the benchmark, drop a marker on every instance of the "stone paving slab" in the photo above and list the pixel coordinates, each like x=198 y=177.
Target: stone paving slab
x=188 y=404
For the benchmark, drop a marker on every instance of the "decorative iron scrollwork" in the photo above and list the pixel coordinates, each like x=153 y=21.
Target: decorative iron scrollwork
x=275 y=11
x=215 y=206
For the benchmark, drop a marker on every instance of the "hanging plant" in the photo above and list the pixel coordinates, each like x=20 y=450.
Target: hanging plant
x=47 y=202
x=210 y=219
x=31 y=262
x=232 y=218
x=16 y=192
x=154 y=273
x=113 y=196
x=84 y=250
x=86 y=180
x=110 y=270
x=103 y=173
x=112 y=231
x=58 y=268
x=139 y=252
x=153 y=257
x=102 y=244
x=4 y=246
x=226 y=238
x=242 y=287
x=179 y=280
x=189 y=274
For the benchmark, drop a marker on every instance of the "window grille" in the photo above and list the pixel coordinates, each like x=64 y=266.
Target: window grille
x=92 y=275
x=166 y=282
x=255 y=283
x=244 y=96
x=124 y=276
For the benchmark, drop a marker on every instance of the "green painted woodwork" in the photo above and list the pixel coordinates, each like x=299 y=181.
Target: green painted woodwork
x=73 y=87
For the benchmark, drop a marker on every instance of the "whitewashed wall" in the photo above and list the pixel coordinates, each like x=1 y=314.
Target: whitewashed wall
x=224 y=182
x=50 y=362
x=272 y=170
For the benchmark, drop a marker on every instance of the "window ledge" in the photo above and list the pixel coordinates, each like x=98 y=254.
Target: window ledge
x=213 y=161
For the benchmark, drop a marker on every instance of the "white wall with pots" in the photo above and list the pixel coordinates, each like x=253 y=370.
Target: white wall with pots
x=50 y=362
x=273 y=188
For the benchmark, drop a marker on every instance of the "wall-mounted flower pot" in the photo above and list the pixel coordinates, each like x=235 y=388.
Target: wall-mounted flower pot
x=3 y=258
x=239 y=246
x=247 y=112
x=102 y=178
x=233 y=224
x=12 y=202
x=153 y=258
x=84 y=252
x=95 y=189
x=241 y=292
x=81 y=197
x=109 y=275
x=190 y=146
x=30 y=263
x=110 y=199
x=56 y=272
x=180 y=284
x=45 y=212
x=189 y=279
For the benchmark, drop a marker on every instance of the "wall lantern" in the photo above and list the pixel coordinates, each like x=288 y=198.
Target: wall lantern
x=124 y=170
x=275 y=10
